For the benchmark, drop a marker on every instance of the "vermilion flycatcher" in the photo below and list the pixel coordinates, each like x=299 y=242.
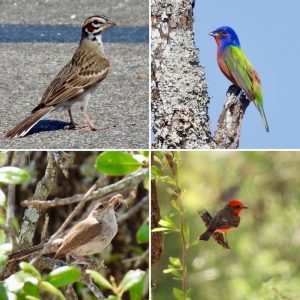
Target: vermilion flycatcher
x=225 y=219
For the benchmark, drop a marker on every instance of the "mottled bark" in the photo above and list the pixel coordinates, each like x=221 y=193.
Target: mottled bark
x=179 y=93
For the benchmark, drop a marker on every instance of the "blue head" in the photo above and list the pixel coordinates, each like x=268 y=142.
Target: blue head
x=225 y=36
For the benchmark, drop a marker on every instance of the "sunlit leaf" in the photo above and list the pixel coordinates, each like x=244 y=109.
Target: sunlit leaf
x=30 y=269
x=142 y=236
x=99 y=279
x=63 y=276
x=131 y=277
x=2 y=198
x=13 y=175
x=175 y=261
x=136 y=291
x=117 y=163
x=16 y=281
x=178 y=294
x=51 y=289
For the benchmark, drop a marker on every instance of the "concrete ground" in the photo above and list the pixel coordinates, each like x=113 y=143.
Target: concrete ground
x=120 y=103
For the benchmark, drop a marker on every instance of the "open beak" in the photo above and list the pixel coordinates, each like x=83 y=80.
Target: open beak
x=116 y=201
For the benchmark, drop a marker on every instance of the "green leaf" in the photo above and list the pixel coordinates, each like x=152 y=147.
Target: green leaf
x=156 y=172
x=51 y=289
x=158 y=229
x=112 y=297
x=13 y=175
x=167 y=223
x=15 y=282
x=29 y=291
x=178 y=294
x=131 y=277
x=99 y=279
x=63 y=276
x=2 y=198
x=117 y=163
x=175 y=261
x=136 y=291
x=142 y=236
x=31 y=270
x=3 y=294
x=175 y=205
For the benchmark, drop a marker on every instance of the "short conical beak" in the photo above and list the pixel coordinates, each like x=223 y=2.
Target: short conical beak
x=109 y=24
x=245 y=207
x=214 y=34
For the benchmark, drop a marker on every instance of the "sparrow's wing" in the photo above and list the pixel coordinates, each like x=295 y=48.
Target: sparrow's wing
x=82 y=72
x=77 y=237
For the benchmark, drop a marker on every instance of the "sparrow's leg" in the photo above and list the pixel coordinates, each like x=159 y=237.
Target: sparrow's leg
x=72 y=124
x=91 y=125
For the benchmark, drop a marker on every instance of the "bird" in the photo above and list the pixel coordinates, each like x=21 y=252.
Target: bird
x=226 y=219
x=77 y=80
x=235 y=65
x=88 y=237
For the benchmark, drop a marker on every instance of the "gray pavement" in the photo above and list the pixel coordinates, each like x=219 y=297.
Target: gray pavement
x=121 y=101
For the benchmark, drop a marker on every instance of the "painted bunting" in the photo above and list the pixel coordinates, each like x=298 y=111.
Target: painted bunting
x=237 y=68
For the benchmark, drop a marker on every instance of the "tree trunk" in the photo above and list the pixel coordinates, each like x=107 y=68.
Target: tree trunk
x=179 y=92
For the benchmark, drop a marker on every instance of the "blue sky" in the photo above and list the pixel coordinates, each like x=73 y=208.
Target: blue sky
x=269 y=35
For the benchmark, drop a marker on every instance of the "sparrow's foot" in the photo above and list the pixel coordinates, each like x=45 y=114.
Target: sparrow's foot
x=73 y=126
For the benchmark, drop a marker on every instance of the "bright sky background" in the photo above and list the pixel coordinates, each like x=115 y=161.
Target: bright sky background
x=269 y=35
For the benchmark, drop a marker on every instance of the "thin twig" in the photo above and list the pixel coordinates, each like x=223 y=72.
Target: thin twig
x=86 y=279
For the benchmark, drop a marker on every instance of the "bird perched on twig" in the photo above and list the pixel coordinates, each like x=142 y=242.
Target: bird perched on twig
x=77 y=80
x=237 y=68
x=88 y=237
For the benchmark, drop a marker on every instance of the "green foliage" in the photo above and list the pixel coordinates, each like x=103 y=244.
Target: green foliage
x=133 y=281
x=13 y=175
x=142 y=235
x=117 y=163
x=29 y=284
x=63 y=276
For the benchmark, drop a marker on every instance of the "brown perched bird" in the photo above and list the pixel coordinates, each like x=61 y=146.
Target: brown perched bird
x=88 y=237
x=77 y=80
x=225 y=219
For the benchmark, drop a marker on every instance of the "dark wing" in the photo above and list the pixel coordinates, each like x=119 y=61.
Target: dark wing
x=77 y=237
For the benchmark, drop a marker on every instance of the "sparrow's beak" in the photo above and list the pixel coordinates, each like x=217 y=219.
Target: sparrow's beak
x=116 y=201
x=215 y=34
x=108 y=24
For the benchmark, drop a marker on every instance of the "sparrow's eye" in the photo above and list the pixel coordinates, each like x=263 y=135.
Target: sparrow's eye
x=101 y=206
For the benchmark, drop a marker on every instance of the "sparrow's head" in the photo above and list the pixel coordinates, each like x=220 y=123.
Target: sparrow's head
x=225 y=36
x=110 y=205
x=94 y=26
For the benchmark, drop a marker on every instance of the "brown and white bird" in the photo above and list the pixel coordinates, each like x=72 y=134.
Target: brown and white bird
x=77 y=80
x=87 y=237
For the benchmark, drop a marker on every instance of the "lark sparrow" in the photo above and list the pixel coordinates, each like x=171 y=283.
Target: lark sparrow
x=77 y=80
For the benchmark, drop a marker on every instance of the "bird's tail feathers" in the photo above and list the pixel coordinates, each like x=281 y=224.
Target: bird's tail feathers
x=22 y=128
x=262 y=113
x=205 y=236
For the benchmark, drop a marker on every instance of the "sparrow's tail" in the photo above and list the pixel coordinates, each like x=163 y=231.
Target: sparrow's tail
x=206 y=235
x=22 y=128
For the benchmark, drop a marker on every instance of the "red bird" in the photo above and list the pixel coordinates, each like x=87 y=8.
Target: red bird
x=225 y=219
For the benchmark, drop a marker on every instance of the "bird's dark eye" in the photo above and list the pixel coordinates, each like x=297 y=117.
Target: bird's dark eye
x=224 y=32
x=101 y=206
x=96 y=22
